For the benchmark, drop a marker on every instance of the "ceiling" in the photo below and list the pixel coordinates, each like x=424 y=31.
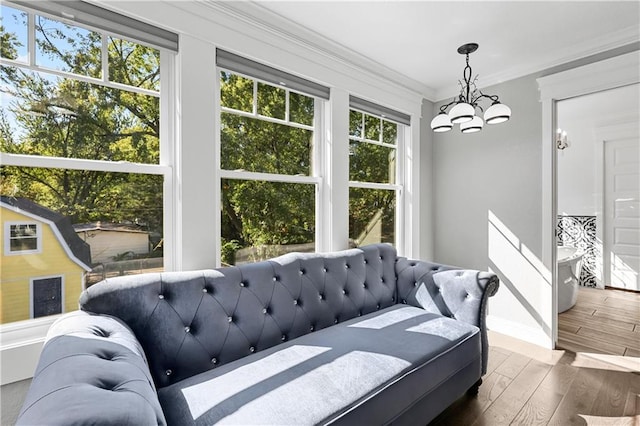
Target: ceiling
x=419 y=39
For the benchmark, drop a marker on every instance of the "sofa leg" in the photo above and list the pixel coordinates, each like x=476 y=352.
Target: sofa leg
x=473 y=390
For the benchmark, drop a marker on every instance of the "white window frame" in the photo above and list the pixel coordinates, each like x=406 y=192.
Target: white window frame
x=31 y=294
x=22 y=337
x=7 y=238
x=398 y=186
x=315 y=178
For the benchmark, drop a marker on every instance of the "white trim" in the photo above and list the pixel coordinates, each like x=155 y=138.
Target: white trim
x=375 y=185
x=7 y=237
x=21 y=160
x=608 y=74
x=62 y=293
x=55 y=231
x=515 y=329
x=270 y=177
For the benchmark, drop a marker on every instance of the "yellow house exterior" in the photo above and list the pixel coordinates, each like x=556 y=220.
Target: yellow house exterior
x=38 y=264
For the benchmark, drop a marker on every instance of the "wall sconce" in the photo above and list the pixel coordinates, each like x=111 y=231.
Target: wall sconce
x=561 y=140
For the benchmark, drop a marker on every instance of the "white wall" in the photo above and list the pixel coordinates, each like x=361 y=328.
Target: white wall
x=581 y=117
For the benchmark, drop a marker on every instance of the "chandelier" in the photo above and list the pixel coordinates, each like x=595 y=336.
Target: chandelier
x=466 y=104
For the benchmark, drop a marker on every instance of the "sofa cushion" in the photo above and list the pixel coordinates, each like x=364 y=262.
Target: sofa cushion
x=323 y=376
x=190 y=322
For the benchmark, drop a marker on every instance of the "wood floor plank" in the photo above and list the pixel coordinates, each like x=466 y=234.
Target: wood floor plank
x=569 y=326
x=614 y=316
x=496 y=358
x=628 y=339
x=539 y=409
x=612 y=398
x=632 y=352
x=577 y=343
x=580 y=398
x=510 y=402
x=512 y=366
x=582 y=318
x=618 y=312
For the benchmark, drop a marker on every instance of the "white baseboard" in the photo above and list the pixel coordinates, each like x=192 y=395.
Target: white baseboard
x=520 y=331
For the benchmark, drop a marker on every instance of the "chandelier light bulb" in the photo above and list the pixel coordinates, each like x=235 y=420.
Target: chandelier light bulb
x=461 y=113
x=497 y=113
x=475 y=125
x=441 y=123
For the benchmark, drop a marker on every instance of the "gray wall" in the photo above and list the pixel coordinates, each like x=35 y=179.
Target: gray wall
x=498 y=170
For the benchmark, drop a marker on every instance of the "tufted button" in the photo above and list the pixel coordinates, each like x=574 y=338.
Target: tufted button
x=321 y=296
x=241 y=283
x=366 y=261
x=346 y=266
x=312 y=328
x=265 y=311
x=275 y=278
x=382 y=279
x=284 y=337
x=412 y=264
x=204 y=290
x=344 y=292
x=214 y=361
x=381 y=258
x=378 y=306
x=325 y=270
x=404 y=301
x=301 y=271
x=393 y=299
x=439 y=289
x=169 y=372
x=295 y=301
x=230 y=319
x=467 y=296
x=252 y=349
x=187 y=329
x=364 y=285
x=415 y=284
x=335 y=321
x=360 y=313
x=161 y=296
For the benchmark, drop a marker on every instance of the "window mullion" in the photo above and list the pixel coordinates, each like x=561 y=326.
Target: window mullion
x=105 y=58
x=31 y=37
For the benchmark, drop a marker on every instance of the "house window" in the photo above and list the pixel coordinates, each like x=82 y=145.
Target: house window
x=46 y=296
x=22 y=238
x=374 y=176
x=80 y=142
x=268 y=167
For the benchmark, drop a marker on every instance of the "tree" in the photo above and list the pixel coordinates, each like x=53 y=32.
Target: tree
x=71 y=118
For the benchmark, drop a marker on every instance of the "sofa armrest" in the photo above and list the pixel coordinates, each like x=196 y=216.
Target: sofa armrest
x=461 y=294
x=92 y=370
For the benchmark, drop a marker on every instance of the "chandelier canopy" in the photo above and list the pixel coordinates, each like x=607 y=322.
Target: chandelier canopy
x=465 y=105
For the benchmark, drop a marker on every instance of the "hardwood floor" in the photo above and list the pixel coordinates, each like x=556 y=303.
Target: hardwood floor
x=592 y=379
x=602 y=321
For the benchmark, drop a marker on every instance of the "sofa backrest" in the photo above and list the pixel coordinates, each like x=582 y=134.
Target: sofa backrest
x=189 y=322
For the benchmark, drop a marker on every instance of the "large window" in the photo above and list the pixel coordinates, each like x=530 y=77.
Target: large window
x=21 y=238
x=269 y=181
x=373 y=178
x=81 y=157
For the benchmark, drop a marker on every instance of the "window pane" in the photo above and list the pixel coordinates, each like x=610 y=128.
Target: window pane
x=23 y=244
x=371 y=128
x=236 y=92
x=68 y=48
x=300 y=109
x=371 y=216
x=63 y=117
x=355 y=123
x=110 y=224
x=271 y=101
x=14 y=35
x=259 y=146
x=371 y=163
x=262 y=219
x=389 y=132
x=134 y=64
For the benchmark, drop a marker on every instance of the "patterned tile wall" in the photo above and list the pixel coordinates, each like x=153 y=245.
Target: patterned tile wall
x=580 y=232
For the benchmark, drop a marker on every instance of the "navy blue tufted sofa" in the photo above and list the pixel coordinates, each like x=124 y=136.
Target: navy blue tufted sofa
x=360 y=336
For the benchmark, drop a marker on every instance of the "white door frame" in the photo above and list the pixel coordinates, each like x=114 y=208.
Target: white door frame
x=608 y=74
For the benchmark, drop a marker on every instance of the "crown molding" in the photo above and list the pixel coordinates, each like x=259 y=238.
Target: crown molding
x=622 y=37
x=257 y=16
